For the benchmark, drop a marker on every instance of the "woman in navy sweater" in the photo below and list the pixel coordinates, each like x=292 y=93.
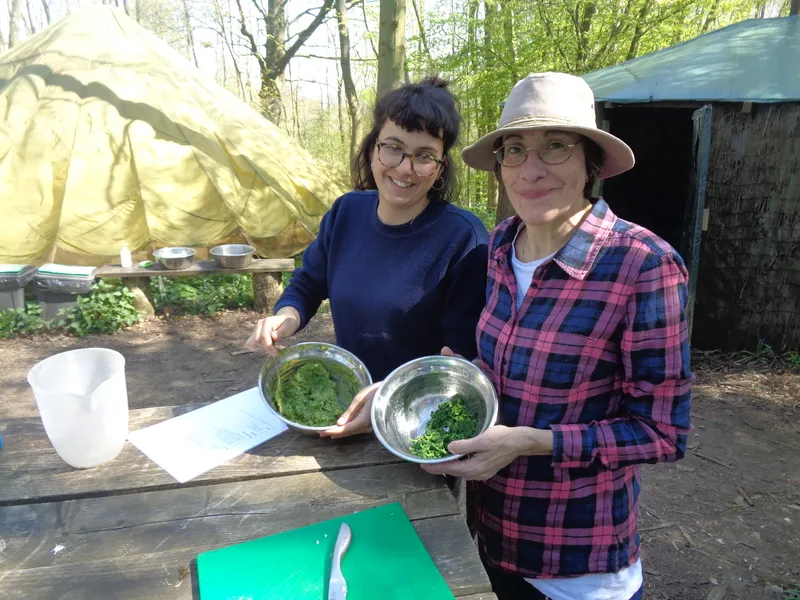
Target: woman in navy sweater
x=404 y=269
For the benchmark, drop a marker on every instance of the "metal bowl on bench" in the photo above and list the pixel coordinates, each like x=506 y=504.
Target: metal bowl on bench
x=175 y=257
x=233 y=256
x=408 y=396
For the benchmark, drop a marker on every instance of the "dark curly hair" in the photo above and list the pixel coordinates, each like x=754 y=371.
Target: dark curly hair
x=427 y=106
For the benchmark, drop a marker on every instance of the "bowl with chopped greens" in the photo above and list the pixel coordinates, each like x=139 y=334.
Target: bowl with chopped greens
x=309 y=385
x=429 y=402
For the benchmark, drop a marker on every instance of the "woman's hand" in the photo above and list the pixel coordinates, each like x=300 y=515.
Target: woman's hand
x=492 y=450
x=447 y=351
x=271 y=329
x=357 y=418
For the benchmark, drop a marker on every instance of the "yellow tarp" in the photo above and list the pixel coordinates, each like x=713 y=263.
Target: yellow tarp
x=107 y=136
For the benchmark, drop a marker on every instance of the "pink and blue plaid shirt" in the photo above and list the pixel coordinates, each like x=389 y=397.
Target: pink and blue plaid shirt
x=599 y=353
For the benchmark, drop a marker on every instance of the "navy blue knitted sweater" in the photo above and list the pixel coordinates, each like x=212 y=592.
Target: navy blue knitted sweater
x=396 y=292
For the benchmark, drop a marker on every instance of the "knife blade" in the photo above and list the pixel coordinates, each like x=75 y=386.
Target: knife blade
x=337 y=586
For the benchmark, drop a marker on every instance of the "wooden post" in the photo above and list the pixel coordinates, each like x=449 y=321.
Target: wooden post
x=267 y=288
x=142 y=300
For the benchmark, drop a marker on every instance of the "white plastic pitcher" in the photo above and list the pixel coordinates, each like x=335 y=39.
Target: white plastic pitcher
x=83 y=401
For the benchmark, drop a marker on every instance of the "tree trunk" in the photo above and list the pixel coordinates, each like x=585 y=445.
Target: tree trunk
x=391 y=45
x=272 y=63
x=491 y=195
x=583 y=26
x=274 y=49
x=504 y=208
x=347 y=77
x=633 y=48
x=711 y=16
x=15 y=16
x=187 y=23
x=124 y=5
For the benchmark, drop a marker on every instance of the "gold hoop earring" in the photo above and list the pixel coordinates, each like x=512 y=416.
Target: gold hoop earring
x=433 y=187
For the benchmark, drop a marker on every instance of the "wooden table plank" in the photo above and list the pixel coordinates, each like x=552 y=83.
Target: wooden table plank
x=30 y=469
x=134 y=546
x=158 y=575
x=107 y=527
x=201 y=267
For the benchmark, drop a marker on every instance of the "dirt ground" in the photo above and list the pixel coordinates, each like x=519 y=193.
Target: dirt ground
x=721 y=524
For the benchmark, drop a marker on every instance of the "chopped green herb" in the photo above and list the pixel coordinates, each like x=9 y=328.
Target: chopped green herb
x=451 y=421
x=309 y=394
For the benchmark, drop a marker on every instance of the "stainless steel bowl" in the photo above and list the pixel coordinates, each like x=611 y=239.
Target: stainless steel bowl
x=406 y=399
x=233 y=256
x=175 y=257
x=296 y=356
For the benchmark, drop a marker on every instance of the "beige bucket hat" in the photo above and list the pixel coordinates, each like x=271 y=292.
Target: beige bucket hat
x=551 y=101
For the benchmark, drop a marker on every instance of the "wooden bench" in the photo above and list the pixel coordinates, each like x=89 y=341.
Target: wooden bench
x=267 y=279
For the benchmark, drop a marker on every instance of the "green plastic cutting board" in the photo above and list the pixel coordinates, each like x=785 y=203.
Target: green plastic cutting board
x=386 y=561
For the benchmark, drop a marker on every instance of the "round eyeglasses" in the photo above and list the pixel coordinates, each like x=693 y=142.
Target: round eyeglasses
x=423 y=163
x=554 y=152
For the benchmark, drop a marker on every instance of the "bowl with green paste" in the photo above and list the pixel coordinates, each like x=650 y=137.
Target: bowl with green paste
x=426 y=403
x=309 y=385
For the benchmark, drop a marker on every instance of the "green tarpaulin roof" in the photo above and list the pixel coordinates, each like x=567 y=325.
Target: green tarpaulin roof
x=756 y=60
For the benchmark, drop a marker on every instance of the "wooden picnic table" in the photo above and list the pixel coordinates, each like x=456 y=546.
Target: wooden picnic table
x=127 y=530
x=267 y=278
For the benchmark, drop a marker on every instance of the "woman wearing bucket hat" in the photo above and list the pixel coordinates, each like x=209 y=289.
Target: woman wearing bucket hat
x=585 y=338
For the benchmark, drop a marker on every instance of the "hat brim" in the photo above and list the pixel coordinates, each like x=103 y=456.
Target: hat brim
x=618 y=155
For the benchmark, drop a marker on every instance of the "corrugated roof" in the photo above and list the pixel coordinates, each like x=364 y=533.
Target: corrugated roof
x=757 y=60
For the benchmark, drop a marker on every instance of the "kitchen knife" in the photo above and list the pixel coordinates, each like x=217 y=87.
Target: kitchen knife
x=337 y=587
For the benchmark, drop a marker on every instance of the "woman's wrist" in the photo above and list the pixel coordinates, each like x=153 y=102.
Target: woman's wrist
x=533 y=442
x=293 y=313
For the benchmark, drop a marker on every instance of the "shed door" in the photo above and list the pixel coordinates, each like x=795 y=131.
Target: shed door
x=695 y=205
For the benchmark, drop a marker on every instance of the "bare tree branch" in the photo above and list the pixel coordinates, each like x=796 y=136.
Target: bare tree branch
x=422 y=35
x=336 y=58
x=253 y=46
x=260 y=9
x=30 y=24
x=224 y=37
x=369 y=33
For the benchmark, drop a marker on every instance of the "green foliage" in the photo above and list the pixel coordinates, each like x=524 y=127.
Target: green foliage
x=18 y=321
x=485 y=46
x=765 y=353
x=108 y=308
x=484 y=214
x=791 y=592
x=204 y=295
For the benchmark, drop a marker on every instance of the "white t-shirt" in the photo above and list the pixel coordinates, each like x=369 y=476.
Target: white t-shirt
x=621 y=585
x=523 y=272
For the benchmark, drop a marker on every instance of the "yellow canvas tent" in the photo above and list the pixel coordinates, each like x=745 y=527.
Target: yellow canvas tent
x=108 y=136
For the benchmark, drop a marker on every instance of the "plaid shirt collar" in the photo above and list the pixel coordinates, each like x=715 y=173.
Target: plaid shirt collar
x=582 y=249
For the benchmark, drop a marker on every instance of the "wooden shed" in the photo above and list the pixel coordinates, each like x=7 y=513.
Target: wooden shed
x=715 y=126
